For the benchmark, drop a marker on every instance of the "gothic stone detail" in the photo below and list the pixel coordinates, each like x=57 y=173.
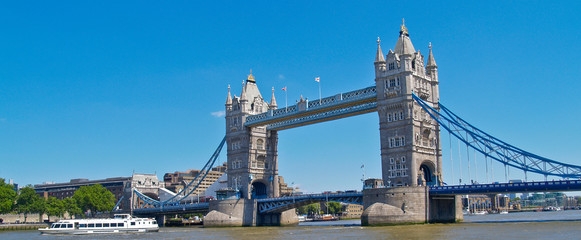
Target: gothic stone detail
x=252 y=151
x=410 y=139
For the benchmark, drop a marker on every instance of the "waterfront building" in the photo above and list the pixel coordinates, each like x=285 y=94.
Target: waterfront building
x=285 y=190
x=115 y=185
x=373 y=183
x=177 y=181
x=351 y=210
x=121 y=187
x=488 y=203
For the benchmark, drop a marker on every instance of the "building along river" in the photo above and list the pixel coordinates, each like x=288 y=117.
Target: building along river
x=523 y=225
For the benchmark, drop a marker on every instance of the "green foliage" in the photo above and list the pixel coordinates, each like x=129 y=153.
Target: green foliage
x=28 y=202
x=95 y=198
x=310 y=209
x=334 y=207
x=55 y=207
x=70 y=206
x=7 y=197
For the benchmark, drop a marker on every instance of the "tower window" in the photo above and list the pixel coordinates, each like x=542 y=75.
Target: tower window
x=391 y=66
x=392 y=83
x=400 y=115
x=389 y=117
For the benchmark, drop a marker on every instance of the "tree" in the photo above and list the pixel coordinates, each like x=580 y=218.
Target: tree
x=310 y=209
x=7 y=197
x=71 y=207
x=54 y=207
x=334 y=207
x=95 y=198
x=28 y=202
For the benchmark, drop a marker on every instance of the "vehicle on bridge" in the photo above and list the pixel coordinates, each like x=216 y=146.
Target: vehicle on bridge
x=121 y=223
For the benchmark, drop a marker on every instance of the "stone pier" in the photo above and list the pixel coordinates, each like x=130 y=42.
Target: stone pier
x=408 y=205
x=243 y=213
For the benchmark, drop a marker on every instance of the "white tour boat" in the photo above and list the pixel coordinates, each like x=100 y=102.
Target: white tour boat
x=121 y=223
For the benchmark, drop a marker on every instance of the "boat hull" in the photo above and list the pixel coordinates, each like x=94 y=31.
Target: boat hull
x=96 y=231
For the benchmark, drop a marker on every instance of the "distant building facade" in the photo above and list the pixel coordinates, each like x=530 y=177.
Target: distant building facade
x=121 y=187
x=115 y=185
x=177 y=181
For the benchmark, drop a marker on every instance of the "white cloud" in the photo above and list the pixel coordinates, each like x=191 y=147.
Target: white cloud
x=218 y=113
x=281 y=77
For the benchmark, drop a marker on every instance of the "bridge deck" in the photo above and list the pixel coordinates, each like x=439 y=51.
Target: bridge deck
x=544 y=186
x=338 y=106
x=280 y=204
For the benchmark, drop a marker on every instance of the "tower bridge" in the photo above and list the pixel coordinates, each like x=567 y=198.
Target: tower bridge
x=405 y=96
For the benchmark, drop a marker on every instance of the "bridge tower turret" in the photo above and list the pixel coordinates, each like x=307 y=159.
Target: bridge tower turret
x=410 y=139
x=252 y=151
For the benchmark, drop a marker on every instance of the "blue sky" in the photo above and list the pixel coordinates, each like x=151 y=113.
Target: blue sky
x=102 y=89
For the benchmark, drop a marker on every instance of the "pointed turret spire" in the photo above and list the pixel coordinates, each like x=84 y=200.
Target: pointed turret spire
x=404 y=43
x=229 y=98
x=250 y=77
x=431 y=60
x=379 y=55
x=273 y=100
x=243 y=94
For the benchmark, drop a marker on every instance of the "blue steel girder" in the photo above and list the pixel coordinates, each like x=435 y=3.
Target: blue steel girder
x=189 y=188
x=494 y=188
x=497 y=149
x=338 y=106
x=281 y=204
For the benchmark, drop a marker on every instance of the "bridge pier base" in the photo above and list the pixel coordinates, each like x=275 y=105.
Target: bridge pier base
x=286 y=218
x=160 y=220
x=243 y=213
x=392 y=206
x=231 y=213
x=446 y=209
x=408 y=205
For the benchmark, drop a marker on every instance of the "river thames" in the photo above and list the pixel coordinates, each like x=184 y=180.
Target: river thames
x=527 y=225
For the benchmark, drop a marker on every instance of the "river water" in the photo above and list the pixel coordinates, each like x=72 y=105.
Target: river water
x=529 y=225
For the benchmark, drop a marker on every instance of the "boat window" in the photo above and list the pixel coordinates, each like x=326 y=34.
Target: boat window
x=69 y=225
x=113 y=224
x=57 y=226
x=98 y=225
x=105 y=224
x=91 y=225
x=154 y=222
x=53 y=226
x=121 y=224
x=82 y=225
x=132 y=223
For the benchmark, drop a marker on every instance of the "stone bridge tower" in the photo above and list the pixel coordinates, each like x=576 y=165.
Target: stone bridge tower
x=252 y=152
x=410 y=138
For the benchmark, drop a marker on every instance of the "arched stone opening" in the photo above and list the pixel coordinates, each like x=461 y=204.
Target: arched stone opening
x=426 y=175
x=258 y=190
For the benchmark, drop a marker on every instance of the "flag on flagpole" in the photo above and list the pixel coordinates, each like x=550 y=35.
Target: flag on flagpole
x=317 y=79
x=284 y=88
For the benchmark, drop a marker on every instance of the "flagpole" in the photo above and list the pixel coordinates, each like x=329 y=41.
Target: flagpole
x=319 y=92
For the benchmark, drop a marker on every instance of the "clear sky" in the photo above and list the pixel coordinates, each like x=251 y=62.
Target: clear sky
x=102 y=89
